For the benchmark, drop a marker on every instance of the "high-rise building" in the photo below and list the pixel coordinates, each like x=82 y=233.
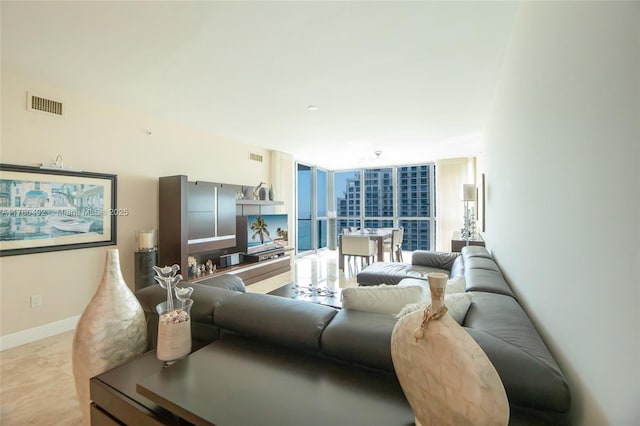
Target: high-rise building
x=413 y=210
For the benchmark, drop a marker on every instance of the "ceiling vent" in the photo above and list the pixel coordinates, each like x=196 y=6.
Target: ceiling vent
x=50 y=106
x=255 y=157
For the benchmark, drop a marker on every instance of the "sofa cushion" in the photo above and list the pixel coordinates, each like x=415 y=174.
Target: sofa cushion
x=393 y=272
x=287 y=322
x=505 y=333
x=475 y=251
x=434 y=259
x=457 y=269
x=488 y=281
x=480 y=263
x=363 y=338
x=228 y=281
x=382 y=299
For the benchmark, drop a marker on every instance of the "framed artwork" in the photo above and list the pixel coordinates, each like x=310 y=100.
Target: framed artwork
x=480 y=196
x=54 y=209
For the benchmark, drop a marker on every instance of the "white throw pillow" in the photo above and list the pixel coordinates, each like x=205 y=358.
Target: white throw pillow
x=382 y=299
x=457 y=306
x=456 y=285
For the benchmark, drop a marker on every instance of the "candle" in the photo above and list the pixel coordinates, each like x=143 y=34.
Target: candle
x=145 y=240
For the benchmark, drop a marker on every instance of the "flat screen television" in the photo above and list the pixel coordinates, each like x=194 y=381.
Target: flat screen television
x=262 y=232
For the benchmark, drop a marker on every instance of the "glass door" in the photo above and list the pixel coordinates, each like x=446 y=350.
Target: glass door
x=304 y=208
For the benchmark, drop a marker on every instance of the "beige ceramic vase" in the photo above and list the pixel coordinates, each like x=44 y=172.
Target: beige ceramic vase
x=174 y=338
x=111 y=330
x=446 y=377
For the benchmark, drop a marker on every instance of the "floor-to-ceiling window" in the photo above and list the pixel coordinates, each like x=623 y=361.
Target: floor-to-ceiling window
x=312 y=208
x=304 y=207
x=378 y=198
x=347 y=198
x=392 y=197
x=321 y=207
x=415 y=201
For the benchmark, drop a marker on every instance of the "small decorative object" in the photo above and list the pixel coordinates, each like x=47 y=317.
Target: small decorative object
x=256 y=191
x=248 y=194
x=211 y=268
x=111 y=330
x=262 y=194
x=183 y=295
x=272 y=194
x=434 y=358
x=174 y=322
x=193 y=266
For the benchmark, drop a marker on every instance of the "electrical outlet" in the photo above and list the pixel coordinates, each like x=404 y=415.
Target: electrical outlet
x=36 y=300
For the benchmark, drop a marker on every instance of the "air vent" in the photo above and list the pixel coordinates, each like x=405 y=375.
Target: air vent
x=255 y=157
x=37 y=103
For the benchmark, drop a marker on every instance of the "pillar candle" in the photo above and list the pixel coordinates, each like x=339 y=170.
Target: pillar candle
x=145 y=240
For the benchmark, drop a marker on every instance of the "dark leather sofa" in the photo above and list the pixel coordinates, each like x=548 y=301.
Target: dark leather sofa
x=537 y=390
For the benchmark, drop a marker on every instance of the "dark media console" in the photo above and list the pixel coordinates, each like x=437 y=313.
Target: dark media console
x=266 y=255
x=201 y=220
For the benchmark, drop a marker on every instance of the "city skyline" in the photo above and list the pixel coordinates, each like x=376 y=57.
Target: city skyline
x=406 y=201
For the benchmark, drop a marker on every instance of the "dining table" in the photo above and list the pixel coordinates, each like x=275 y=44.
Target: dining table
x=379 y=235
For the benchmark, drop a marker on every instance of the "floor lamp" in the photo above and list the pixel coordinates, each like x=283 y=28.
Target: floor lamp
x=468 y=195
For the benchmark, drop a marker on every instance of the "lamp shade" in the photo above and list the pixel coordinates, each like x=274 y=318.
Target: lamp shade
x=468 y=192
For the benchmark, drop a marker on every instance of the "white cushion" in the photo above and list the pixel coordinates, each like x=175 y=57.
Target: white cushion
x=457 y=306
x=383 y=299
x=456 y=285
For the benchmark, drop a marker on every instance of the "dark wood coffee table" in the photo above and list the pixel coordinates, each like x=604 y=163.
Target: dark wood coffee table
x=234 y=382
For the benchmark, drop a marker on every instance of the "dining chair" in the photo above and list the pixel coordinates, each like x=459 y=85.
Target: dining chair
x=394 y=246
x=359 y=246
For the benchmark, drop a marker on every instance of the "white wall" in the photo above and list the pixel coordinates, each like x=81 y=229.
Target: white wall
x=562 y=161
x=101 y=138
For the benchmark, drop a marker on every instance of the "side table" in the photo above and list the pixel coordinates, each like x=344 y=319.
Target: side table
x=144 y=263
x=457 y=242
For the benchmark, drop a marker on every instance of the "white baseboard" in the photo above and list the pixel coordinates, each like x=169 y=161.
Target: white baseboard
x=31 y=335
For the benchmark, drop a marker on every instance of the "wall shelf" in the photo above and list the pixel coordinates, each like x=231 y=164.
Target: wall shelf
x=256 y=206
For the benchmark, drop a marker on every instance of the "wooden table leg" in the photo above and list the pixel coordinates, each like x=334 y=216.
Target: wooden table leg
x=380 y=249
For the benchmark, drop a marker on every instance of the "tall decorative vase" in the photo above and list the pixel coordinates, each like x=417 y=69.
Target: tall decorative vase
x=272 y=194
x=446 y=377
x=111 y=330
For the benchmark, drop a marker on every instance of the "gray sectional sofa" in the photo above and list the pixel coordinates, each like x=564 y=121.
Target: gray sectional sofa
x=537 y=390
